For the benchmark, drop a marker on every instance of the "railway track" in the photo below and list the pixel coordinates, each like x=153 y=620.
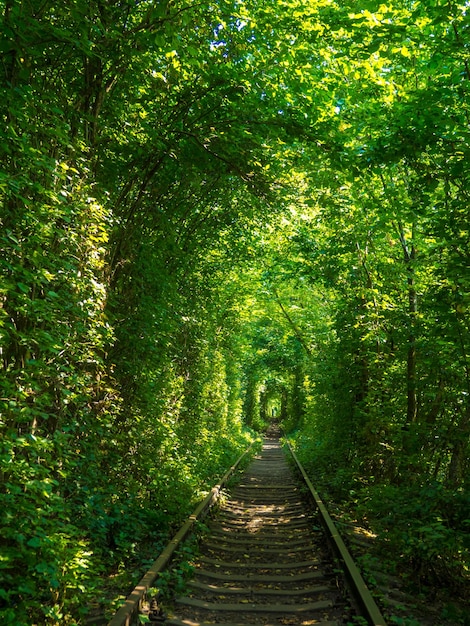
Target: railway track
x=267 y=559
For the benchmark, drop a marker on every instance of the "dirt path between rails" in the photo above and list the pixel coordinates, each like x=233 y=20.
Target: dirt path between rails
x=264 y=561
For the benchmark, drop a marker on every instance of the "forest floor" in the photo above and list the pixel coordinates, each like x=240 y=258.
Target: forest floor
x=405 y=599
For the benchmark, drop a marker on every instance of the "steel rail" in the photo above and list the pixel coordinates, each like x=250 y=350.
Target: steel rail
x=132 y=605
x=357 y=584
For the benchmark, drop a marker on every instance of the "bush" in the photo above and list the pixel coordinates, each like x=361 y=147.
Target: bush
x=424 y=529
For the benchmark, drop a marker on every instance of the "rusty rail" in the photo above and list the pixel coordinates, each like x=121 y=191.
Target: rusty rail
x=132 y=605
x=357 y=585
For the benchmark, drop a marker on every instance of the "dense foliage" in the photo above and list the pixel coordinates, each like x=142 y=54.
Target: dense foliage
x=212 y=213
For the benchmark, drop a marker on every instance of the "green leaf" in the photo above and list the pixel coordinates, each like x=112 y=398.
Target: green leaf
x=22 y=287
x=34 y=542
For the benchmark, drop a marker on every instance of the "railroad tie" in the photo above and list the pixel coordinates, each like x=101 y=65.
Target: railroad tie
x=264 y=560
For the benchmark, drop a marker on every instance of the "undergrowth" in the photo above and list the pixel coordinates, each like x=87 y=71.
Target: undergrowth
x=421 y=528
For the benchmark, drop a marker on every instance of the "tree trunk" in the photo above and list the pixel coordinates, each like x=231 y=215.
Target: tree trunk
x=409 y=256
x=459 y=456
